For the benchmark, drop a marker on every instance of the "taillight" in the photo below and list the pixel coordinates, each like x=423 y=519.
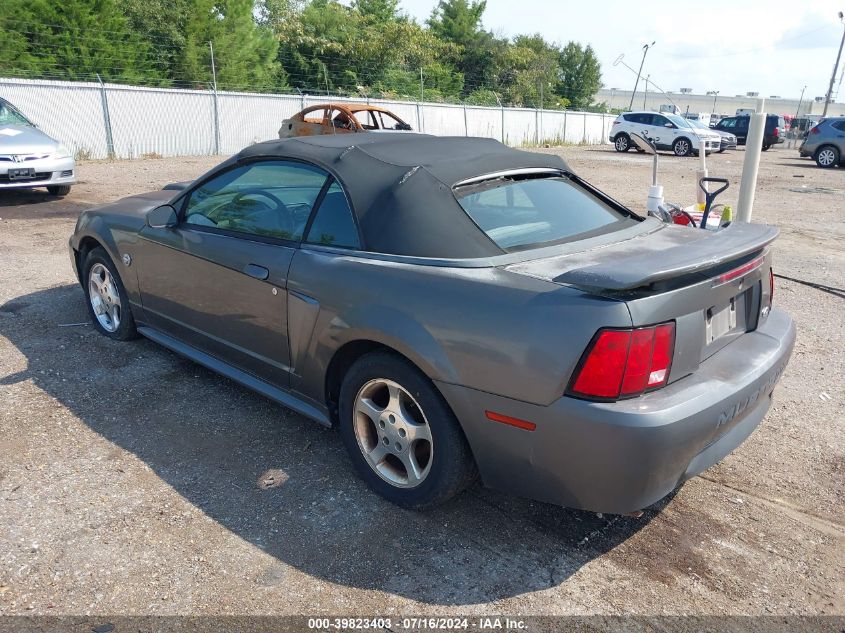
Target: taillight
x=814 y=130
x=625 y=363
x=777 y=132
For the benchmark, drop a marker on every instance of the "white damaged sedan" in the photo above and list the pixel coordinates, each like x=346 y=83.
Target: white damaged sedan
x=29 y=158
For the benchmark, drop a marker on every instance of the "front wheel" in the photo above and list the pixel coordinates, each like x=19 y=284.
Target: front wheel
x=622 y=143
x=400 y=433
x=682 y=147
x=827 y=156
x=58 y=190
x=108 y=303
x=765 y=147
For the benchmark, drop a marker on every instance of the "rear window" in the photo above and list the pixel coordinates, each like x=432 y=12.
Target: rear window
x=522 y=214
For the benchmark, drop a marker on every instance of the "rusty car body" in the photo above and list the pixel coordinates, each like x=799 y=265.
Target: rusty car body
x=341 y=118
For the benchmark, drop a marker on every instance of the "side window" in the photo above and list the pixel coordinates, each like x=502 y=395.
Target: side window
x=839 y=125
x=340 y=120
x=317 y=115
x=269 y=198
x=659 y=121
x=365 y=119
x=728 y=123
x=333 y=223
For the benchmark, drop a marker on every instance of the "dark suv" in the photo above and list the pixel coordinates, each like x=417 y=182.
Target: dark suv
x=738 y=126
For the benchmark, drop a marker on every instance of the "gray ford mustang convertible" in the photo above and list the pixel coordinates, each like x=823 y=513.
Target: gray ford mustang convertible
x=455 y=307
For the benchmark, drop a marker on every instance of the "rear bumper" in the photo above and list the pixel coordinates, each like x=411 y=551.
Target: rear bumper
x=48 y=171
x=624 y=456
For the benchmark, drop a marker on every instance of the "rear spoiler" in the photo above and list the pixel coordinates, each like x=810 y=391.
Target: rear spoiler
x=668 y=252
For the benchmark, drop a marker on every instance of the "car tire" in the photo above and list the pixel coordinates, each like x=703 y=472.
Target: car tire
x=385 y=402
x=766 y=147
x=106 y=298
x=622 y=143
x=721 y=150
x=58 y=190
x=827 y=156
x=682 y=147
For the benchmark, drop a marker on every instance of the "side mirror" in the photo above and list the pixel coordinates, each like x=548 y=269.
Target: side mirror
x=669 y=125
x=163 y=217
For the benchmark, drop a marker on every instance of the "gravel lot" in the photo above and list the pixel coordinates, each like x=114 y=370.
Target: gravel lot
x=135 y=482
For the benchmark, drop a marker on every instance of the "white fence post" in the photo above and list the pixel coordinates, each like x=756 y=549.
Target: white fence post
x=466 y=124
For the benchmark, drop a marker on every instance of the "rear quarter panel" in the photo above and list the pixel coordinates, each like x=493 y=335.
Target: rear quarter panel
x=484 y=328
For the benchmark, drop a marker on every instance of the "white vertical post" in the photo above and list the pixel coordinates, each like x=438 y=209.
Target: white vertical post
x=466 y=123
x=700 y=198
x=751 y=165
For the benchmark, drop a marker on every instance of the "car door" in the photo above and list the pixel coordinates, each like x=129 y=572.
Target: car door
x=663 y=135
x=639 y=123
x=218 y=279
x=838 y=132
x=741 y=130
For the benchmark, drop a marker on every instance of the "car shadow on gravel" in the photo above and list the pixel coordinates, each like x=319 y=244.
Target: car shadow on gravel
x=24 y=204
x=284 y=483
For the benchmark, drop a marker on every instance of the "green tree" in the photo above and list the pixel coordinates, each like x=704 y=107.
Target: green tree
x=244 y=50
x=163 y=24
x=377 y=11
x=458 y=22
x=580 y=74
x=73 y=39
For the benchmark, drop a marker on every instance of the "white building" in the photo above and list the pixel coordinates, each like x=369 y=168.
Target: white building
x=725 y=105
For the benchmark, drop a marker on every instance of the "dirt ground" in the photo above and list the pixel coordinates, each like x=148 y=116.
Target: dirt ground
x=135 y=482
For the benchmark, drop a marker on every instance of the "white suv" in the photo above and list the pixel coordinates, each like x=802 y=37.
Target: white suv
x=666 y=131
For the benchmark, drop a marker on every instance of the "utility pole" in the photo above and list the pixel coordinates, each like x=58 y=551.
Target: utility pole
x=639 y=72
x=715 y=94
x=800 y=101
x=422 y=92
x=835 y=68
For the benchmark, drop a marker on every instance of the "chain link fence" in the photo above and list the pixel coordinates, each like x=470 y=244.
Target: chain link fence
x=101 y=120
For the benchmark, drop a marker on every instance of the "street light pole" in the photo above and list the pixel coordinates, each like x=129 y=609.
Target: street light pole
x=640 y=71
x=835 y=68
x=715 y=94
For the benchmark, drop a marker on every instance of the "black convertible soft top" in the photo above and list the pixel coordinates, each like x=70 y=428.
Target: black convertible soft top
x=400 y=185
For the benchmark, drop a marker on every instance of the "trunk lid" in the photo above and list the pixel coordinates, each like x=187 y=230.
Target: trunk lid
x=713 y=285
x=671 y=252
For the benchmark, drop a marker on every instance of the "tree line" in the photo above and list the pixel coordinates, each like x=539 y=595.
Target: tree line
x=369 y=48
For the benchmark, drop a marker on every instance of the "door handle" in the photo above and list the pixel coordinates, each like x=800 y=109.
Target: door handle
x=256 y=271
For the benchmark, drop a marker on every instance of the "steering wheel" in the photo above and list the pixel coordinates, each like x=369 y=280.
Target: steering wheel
x=284 y=214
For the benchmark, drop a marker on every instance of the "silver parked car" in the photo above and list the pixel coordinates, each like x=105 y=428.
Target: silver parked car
x=30 y=158
x=825 y=142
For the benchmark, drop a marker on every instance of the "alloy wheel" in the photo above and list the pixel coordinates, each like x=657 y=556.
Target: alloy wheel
x=104 y=297
x=621 y=143
x=393 y=433
x=682 y=148
x=826 y=157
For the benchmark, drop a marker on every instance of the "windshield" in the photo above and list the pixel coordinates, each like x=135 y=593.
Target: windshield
x=520 y=214
x=10 y=116
x=677 y=120
x=697 y=123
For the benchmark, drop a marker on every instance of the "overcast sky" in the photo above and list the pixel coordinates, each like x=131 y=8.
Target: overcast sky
x=734 y=46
